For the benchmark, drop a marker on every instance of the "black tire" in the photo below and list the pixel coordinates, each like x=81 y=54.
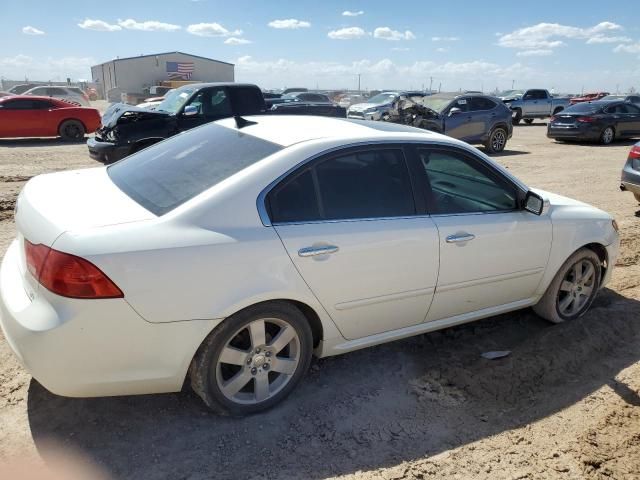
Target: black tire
x=497 y=140
x=206 y=372
x=516 y=116
x=607 y=136
x=549 y=307
x=528 y=121
x=71 y=130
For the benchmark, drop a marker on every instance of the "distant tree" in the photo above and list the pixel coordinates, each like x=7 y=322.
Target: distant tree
x=632 y=90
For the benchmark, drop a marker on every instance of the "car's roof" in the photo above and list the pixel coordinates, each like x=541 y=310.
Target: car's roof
x=56 y=101
x=287 y=130
x=216 y=84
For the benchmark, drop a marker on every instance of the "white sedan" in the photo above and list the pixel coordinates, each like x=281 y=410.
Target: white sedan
x=231 y=253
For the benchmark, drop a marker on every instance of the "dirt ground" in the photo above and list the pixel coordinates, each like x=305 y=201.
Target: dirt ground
x=565 y=404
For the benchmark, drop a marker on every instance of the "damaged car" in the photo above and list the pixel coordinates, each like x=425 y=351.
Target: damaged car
x=473 y=118
x=127 y=129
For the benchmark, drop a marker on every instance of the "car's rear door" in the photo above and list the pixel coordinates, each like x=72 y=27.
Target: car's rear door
x=483 y=116
x=352 y=227
x=632 y=119
x=492 y=253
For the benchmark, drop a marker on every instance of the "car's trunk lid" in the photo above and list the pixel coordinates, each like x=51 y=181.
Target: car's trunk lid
x=52 y=204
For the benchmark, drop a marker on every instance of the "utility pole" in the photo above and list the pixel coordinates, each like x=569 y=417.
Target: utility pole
x=358 y=83
x=513 y=83
x=430 y=84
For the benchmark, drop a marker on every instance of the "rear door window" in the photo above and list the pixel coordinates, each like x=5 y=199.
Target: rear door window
x=357 y=185
x=167 y=174
x=18 y=105
x=481 y=103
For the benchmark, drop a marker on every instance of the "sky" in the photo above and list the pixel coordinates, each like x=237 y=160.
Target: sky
x=567 y=46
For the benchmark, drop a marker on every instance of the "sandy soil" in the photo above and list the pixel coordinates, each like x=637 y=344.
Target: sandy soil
x=565 y=404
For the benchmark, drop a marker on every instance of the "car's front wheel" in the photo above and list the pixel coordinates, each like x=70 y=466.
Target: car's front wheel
x=497 y=140
x=253 y=359
x=573 y=289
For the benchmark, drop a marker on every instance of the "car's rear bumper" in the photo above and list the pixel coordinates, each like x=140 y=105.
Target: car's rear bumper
x=86 y=348
x=106 y=152
x=586 y=132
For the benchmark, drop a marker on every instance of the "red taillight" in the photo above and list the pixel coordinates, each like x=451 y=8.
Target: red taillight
x=586 y=119
x=635 y=152
x=67 y=275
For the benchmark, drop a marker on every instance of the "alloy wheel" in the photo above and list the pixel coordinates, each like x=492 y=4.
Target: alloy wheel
x=607 y=135
x=258 y=361
x=498 y=140
x=577 y=288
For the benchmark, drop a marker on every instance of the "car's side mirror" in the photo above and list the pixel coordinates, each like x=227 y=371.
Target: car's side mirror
x=454 y=111
x=190 y=111
x=533 y=203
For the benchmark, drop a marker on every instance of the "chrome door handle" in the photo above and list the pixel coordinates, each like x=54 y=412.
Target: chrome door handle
x=463 y=237
x=312 y=251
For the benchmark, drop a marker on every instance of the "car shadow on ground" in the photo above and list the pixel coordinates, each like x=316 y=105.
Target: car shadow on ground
x=508 y=153
x=369 y=409
x=533 y=124
x=584 y=143
x=38 y=142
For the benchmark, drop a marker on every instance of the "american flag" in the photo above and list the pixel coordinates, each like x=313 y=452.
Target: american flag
x=177 y=70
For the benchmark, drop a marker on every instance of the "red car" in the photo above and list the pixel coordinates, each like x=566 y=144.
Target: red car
x=588 y=97
x=30 y=116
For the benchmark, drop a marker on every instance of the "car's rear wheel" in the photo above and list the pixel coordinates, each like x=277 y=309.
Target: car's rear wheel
x=497 y=140
x=71 y=130
x=573 y=289
x=607 y=136
x=253 y=360
x=528 y=121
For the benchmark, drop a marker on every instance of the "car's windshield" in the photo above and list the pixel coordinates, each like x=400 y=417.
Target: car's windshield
x=382 y=98
x=436 y=103
x=511 y=93
x=175 y=99
x=165 y=175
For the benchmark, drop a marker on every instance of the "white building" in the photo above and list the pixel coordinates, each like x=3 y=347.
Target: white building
x=135 y=74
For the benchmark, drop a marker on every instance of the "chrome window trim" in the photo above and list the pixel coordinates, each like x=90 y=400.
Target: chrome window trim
x=262 y=196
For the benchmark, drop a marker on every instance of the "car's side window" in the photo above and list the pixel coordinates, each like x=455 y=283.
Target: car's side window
x=18 y=105
x=460 y=184
x=42 y=105
x=212 y=103
x=461 y=103
x=481 y=103
x=361 y=184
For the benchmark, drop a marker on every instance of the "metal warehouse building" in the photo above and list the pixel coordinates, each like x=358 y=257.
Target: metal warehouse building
x=135 y=74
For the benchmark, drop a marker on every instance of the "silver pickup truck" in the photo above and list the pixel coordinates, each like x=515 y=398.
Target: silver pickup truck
x=530 y=104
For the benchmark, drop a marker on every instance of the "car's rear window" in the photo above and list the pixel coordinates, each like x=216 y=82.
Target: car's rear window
x=169 y=173
x=584 y=107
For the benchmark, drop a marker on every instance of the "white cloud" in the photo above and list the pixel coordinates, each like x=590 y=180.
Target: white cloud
x=98 y=25
x=633 y=48
x=385 y=33
x=445 y=39
x=535 y=53
x=348 y=33
x=211 y=30
x=289 y=24
x=148 y=25
x=237 y=41
x=29 y=30
x=49 y=68
x=442 y=49
x=378 y=74
x=400 y=49
x=605 y=39
x=349 y=13
x=546 y=36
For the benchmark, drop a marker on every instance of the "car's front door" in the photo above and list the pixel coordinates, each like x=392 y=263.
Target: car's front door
x=457 y=124
x=207 y=105
x=350 y=224
x=492 y=253
x=18 y=118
